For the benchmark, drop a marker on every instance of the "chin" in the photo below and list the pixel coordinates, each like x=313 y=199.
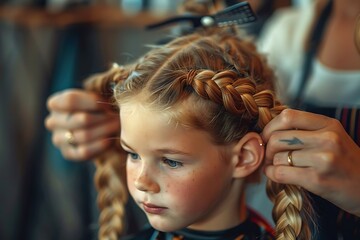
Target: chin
x=166 y=226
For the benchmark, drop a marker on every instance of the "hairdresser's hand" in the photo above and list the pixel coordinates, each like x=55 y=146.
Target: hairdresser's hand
x=326 y=161
x=82 y=126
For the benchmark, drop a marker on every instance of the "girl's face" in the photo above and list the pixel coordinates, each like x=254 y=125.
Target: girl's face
x=176 y=175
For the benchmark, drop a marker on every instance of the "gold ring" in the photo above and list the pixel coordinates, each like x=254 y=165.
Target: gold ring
x=289 y=158
x=69 y=136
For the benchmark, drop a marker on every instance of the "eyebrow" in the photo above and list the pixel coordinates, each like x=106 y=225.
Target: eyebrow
x=124 y=143
x=162 y=150
x=172 y=151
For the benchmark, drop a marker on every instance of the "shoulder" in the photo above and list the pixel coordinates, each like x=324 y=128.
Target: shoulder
x=265 y=229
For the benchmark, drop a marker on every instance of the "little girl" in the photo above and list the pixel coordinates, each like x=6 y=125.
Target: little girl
x=191 y=112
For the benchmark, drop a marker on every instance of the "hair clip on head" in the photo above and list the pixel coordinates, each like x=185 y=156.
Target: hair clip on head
x=240 y=13
x=207 y=21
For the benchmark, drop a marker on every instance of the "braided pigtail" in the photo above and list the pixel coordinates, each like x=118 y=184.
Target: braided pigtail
x=110 y=175
x=292 y=211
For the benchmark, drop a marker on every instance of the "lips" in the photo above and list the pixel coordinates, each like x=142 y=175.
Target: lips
x=153 y=209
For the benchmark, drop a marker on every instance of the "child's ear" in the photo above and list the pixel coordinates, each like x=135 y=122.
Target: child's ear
x=248 y=155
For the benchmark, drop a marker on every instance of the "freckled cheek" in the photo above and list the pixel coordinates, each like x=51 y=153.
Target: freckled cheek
x=187 y=195
x=131 y=174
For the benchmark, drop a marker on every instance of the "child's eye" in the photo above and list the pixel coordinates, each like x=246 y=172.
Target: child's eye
x=133 y=156
x=172 y=163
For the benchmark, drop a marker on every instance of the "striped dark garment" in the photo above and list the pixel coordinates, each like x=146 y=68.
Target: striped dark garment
x=254 y=228
x=333 y=222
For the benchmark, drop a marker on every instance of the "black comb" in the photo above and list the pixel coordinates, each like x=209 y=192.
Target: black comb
x=240 y=13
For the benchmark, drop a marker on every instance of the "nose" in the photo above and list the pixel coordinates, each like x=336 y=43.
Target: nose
x=146 y=181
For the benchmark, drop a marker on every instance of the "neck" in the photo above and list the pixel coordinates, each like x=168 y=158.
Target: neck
x=229 y=214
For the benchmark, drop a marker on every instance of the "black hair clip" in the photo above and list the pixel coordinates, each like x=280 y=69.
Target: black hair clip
x=240 y=13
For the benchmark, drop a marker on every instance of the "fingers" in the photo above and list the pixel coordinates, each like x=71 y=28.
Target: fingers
x=305 y=158
x=81 y=124
x=307 y=178
x=86 y=143
x=86 y=151
x=76 y=120
x=85 y=135
x=294 y=119
x=326 y=139
x=292 y=175
x=76 y=100
x=285 y=141
x=324 y=157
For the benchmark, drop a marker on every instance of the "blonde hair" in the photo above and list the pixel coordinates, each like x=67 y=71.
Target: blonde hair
x=232 y=89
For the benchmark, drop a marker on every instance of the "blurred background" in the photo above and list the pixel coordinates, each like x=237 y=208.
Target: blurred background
x=47 y=46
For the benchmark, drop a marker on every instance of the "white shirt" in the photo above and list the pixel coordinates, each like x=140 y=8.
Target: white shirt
x=282 y=42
